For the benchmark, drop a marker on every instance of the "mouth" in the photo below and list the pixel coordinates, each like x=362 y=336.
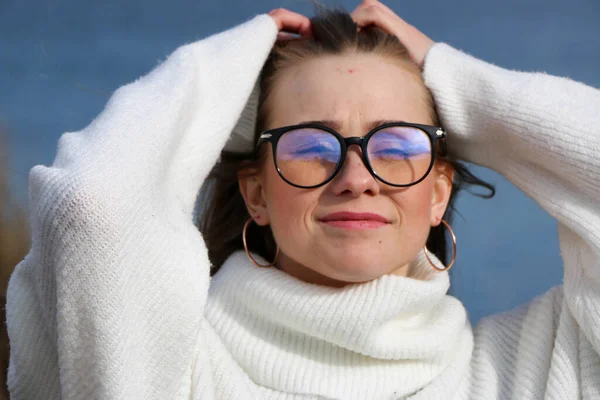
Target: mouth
x=352 y=220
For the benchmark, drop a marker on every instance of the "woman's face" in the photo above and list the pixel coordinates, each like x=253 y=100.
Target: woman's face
x=354 y=92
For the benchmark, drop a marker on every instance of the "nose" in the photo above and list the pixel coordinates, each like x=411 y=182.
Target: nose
x=354 y=178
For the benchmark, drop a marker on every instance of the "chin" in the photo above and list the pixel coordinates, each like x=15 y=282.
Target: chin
x=353 y=266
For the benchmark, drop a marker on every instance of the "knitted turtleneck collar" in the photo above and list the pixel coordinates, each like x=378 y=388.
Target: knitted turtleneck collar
x=297 y=337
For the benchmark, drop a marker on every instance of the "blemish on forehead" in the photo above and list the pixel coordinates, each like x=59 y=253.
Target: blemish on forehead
x=349 y=70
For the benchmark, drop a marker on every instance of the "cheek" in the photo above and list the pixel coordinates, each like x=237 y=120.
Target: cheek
x=290 y=209
x=414 y=203
x=414 y=208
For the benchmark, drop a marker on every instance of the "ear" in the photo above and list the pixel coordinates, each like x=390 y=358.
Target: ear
x=252 y=190
x=442 y=189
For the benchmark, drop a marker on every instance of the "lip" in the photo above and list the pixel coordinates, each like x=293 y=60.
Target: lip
x=354 y=220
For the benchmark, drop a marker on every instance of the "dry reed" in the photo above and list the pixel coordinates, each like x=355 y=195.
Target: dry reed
x=14 y=244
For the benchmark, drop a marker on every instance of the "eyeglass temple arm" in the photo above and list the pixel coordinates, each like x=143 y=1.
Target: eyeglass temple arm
x=441 y=136
x=263 y=137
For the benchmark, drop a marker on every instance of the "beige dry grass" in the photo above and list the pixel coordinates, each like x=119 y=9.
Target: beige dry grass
x=14 y=244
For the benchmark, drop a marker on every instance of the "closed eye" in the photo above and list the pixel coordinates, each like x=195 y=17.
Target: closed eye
x=311 y=149
x=399 y=148
x=323 y=151
x=391 y=152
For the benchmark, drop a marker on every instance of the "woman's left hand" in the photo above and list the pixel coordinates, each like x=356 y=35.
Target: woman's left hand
x=372 y=12
x=290 y=24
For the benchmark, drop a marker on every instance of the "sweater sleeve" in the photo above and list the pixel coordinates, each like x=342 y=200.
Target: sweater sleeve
x=110 y=299
x=541 y=133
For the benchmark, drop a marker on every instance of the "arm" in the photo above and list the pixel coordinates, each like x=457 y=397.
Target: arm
x=541 y=133
x=110 y=299
x=515 y=123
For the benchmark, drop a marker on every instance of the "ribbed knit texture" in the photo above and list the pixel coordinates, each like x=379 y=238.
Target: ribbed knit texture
x=114 y=300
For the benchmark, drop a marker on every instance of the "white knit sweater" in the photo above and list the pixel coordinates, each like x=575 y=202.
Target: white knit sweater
x=114 y=300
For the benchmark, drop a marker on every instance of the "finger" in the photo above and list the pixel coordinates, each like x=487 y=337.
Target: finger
x=285 y=36
x=372 y=15
x=365 y=14
x=373 y=12
x=290 y=21
x=377 y=4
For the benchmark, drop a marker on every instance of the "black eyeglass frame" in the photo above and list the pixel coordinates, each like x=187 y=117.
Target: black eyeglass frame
x=434 y=133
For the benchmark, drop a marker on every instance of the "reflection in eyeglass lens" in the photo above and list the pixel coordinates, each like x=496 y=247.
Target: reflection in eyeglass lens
x=307 y=157
x=400 y=155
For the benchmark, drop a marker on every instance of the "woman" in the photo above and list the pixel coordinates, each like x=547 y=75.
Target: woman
x=114 y=299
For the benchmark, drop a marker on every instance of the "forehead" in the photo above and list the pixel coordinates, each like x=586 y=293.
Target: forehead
x=352 y=89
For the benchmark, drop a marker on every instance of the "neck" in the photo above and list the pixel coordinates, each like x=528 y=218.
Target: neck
x=308 y=275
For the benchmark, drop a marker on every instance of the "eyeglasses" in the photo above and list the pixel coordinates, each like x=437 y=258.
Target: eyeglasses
x=398 y=153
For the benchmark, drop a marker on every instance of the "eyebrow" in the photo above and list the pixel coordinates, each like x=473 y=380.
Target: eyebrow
x=335 y=125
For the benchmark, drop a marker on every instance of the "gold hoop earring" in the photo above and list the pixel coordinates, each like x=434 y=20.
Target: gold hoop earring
x=248 y=252
x=453 y=254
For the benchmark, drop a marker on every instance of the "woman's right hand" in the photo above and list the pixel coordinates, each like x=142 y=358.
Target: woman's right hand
x=372 y=12
x=290 y=24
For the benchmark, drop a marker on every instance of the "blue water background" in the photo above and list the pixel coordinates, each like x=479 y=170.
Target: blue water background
x=61 y=59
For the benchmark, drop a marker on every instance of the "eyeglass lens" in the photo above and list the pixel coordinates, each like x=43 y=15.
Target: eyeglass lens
x=399 y=155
